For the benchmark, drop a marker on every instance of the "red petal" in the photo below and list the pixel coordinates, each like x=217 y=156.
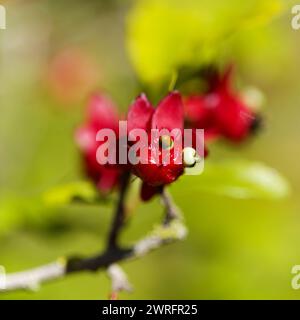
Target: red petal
x=200 y=110
x=140 y=114
x=234 y=119
x=147 y=191
x=102 y=113
x=108 y=179
x=169 y=113
x=85 y=138
x=195 y=108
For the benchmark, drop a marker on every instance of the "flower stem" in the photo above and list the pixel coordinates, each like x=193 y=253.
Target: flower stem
x=119 y=217
x=172 y=211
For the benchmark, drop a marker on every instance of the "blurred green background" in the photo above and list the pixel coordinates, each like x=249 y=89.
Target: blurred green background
x=53 y=54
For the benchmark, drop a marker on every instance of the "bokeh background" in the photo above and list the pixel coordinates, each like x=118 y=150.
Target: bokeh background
x=241 y=244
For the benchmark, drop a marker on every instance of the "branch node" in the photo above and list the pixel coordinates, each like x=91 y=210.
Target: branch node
x=118 y=278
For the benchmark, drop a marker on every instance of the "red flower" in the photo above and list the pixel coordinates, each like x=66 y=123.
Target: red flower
x=152 y=166
x=220 y=111
x=168 y=115
x=101 y=114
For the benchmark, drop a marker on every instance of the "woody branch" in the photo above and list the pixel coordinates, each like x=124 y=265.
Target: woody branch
x=170 y=231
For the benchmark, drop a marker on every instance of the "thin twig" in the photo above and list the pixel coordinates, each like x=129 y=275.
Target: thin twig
x=172 y=230
x=33 y=278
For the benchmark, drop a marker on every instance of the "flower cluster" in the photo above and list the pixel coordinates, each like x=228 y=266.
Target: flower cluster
x=220 y=111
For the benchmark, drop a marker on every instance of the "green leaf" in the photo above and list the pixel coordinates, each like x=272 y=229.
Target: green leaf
x=164 y=35
x=39 y=208
x=238 y=179
x=18 y=210
x=83 y=191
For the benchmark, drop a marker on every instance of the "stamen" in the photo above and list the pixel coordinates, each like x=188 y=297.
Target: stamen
x=190 y=157
x=166 y=142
